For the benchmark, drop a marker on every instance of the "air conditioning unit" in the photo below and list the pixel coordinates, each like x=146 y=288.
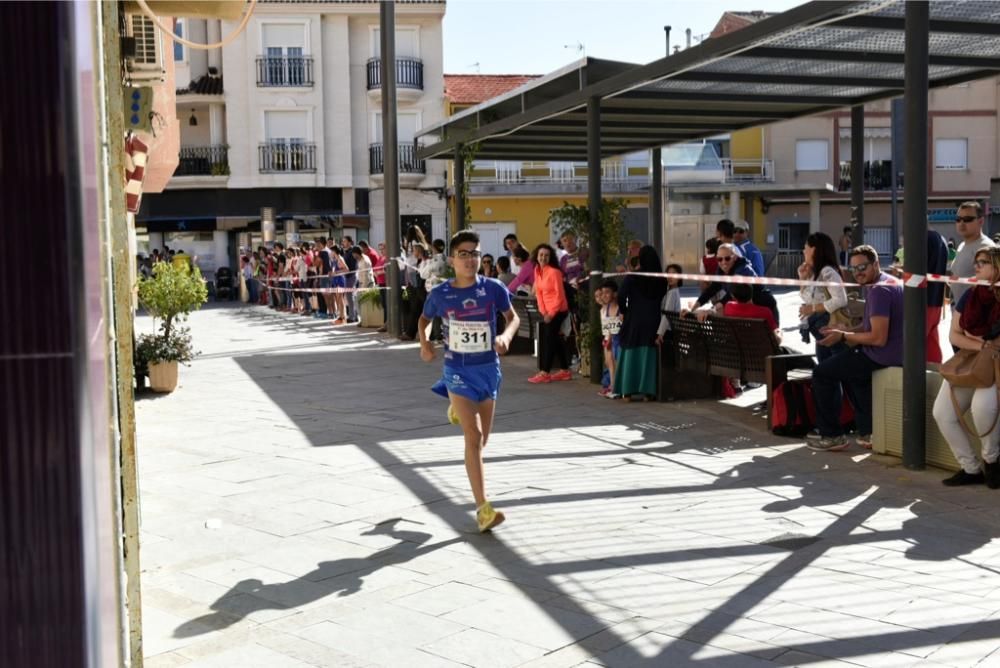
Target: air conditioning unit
x=145 y=65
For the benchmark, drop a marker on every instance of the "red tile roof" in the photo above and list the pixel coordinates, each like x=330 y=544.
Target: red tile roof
x=733 y=21
x=476 y=88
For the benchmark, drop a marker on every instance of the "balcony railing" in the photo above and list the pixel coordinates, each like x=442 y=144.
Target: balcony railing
x=877 y=175
x=409 y=73
x=407 y=156
x=281 y=156
x=520 y=173
x=284 y=71
x=203 y=161
x=748 y=171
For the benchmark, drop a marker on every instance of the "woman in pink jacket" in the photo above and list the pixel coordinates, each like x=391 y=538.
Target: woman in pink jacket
x=552 y=305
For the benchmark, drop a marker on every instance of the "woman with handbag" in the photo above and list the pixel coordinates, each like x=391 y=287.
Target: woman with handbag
x=822 y=306
x=970 y=378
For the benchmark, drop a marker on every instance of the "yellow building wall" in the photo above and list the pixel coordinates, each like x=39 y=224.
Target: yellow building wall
x=529 y=214
x=746 y=144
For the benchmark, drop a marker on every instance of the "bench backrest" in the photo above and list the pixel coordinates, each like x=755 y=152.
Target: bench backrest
x=526 y=309
x=721 y=346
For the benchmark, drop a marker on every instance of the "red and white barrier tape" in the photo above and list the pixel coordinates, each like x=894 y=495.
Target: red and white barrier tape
x=909 y=280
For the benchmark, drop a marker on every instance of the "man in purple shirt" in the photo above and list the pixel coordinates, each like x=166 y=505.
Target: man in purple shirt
x=573 y=262
x=875 y=344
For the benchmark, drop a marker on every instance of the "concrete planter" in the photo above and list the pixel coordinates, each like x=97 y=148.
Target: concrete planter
x=163 y=376
x=371 y=315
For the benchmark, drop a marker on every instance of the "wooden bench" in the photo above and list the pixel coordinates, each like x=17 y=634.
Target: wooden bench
x=743 y=348
x=526 y=309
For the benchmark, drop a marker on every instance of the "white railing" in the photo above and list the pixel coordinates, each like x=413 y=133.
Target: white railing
x=748 y=171
x=514 y=173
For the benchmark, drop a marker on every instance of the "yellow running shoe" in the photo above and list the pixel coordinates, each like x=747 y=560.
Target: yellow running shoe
x=487 y=518
x=452 y=415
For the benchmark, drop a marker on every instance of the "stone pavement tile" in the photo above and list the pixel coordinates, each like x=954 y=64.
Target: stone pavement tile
x=158 y=628
x=378 y=648
x=534 y=623
x=483 y=650
x=250 y=655
x=797 y=658
x=648 y=594
x=501 y=585
x=444 y=598
x=658 y=649
x=165 y=660
x=314 y=654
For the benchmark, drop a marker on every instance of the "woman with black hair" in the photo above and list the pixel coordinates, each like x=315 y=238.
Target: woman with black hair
x=640 y=299
x=820 y=304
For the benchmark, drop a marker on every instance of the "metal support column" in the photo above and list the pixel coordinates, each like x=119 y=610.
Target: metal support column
x=858 y=173
x=460 y=203
x=656 y=203
x=596 y=233
x=390 y=148
x=915 y=235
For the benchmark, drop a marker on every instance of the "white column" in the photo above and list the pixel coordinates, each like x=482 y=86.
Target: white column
x=214 y=29
x=814 y=211
x=220 y=248
x=216 y=117
x=734 y=206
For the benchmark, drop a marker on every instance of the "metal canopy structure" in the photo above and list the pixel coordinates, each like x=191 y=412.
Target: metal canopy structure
x=814 y=58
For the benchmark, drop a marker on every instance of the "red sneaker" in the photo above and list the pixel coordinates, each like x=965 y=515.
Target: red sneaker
x=540 y=377
x=565 y=374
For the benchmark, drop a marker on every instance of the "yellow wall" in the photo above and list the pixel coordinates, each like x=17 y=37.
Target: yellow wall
x=529 y=214
x=746 y=144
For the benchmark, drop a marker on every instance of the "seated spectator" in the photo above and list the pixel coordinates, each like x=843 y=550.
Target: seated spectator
x=977 y=320
x=504 y=273
x=742 y=306
x=526 y=271
x=876 y=343
x=819 y=304
x=731 y=264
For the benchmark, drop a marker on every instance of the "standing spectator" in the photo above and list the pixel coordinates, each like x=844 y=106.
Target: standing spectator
x=611 y=326
x=877 y=343
x=511 y=243
x=338 y=267
x=819 y=303
x=640 y=299
x=977 y=316
x=574 y=262
x=552 y=305
x=364 y=265
x=487 y=267
x=937 y=263
x=350 y=279
x=969 y=224
x=846 y=243
x=671 y=301
x=741 y=237
x=416 y=287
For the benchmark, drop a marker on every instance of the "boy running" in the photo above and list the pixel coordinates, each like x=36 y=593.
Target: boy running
x=468 y=306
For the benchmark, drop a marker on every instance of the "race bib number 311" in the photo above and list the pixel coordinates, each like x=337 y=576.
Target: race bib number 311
x=468 y=336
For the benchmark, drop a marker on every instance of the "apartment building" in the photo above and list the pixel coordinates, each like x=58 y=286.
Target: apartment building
x=516 y=197
x=281 y=130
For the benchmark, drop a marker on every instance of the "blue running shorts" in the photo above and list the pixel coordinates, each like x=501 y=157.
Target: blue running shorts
x=477 y=382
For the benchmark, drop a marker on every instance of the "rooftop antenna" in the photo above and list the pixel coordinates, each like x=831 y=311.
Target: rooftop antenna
x=579 y=47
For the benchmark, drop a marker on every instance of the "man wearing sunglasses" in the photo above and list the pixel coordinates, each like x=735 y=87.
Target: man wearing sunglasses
x=969 y=225
x=875 y=344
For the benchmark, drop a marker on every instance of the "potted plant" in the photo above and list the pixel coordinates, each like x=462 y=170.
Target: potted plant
x=370 y=305
x=170 y=294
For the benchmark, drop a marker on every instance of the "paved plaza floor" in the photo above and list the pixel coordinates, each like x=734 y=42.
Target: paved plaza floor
x=304 y=503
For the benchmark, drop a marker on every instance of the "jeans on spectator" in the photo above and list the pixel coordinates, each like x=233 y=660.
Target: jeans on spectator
x=351 y=298
x=818 y=321
x=983 y=402
x=551 y=343
x=853 y=370
x=252 y=291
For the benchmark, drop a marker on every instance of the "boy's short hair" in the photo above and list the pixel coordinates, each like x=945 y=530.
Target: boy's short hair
x=503 y=263
x=725 y=227
x=610 y=284
x=741 y=292
x=461 y=237
x=679 y=269
x=521 y=253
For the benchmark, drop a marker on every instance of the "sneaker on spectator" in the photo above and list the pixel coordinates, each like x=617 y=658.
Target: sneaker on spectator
x=604 y=392
x=814 y=435
x=864 y=440
x=829 y=444
x=487 y=518
x=565 y=374
x=612 y=395
x=963 y=478
x=540 y=377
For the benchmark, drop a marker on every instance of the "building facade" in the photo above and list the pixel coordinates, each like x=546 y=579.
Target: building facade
x=281 y=129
